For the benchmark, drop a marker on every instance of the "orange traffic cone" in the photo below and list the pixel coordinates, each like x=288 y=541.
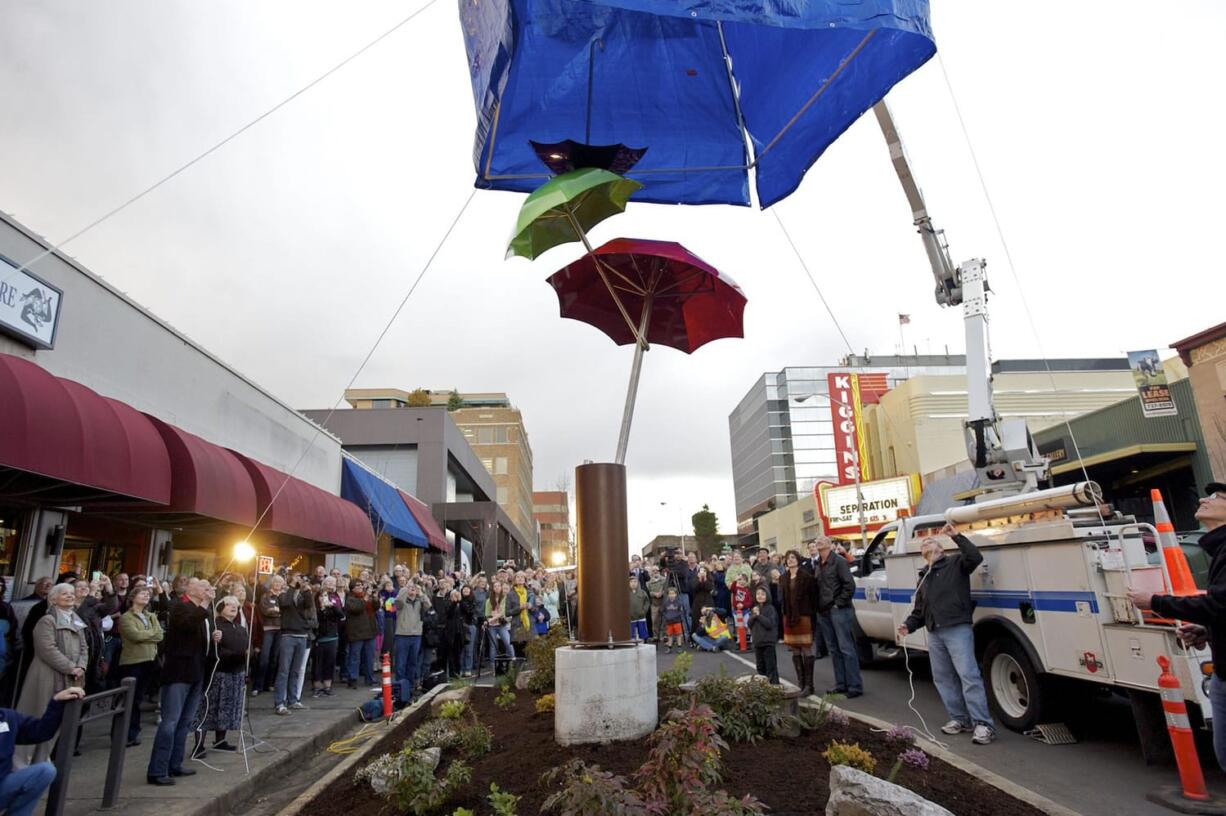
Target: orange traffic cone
x=387 y=686
x=1176 y=564
x=1177 y=723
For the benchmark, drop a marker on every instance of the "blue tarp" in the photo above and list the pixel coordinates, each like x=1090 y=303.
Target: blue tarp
x=655 y=74
x=388 y=512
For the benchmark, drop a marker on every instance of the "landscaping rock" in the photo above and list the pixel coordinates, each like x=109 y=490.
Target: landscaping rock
x=855 y=793
x=521 y=680
x=459 y=695
x=429 y=756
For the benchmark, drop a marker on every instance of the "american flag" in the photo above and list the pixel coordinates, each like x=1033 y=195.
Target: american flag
x=904 y=319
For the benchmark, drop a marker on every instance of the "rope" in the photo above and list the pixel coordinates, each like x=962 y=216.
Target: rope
x=218 y=145
x=812 y=280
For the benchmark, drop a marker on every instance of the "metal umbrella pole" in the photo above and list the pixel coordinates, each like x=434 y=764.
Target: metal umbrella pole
x=632 y=391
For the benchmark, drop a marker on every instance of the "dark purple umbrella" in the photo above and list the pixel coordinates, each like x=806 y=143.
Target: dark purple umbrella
x=681 y=300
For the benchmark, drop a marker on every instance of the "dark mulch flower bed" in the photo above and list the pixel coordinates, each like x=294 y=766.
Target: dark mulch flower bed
x=787 y=774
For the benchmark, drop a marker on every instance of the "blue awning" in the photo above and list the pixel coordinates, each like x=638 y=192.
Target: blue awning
x=382 y=501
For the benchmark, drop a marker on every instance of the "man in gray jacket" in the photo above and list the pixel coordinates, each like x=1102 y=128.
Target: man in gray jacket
x=407 y=646
x=944 y=606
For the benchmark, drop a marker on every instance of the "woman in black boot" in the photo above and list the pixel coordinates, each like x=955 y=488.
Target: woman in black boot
x=798 y=599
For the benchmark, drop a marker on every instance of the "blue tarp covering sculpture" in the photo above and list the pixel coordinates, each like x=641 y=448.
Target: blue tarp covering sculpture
x=388 y=512
x=661 y=74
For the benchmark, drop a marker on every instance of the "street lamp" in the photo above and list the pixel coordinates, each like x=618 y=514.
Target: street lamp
x=243 y=551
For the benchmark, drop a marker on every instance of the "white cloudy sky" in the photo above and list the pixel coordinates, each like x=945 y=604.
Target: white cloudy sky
x=1098 y=126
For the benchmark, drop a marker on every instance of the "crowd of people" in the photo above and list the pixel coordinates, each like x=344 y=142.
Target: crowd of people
x=730 y=603
x=805 y=602
x=202 y=647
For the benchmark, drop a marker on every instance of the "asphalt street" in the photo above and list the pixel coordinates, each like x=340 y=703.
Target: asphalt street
x=1103 y=773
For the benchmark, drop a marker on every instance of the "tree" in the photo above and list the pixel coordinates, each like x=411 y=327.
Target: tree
x=419 y=398
x=454 y=401
x=706 y=530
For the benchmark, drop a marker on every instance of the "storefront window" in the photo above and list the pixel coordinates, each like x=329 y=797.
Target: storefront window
x=76 y=557
x=10 y=534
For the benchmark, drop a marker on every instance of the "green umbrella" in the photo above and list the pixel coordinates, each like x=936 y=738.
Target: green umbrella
x=566 y=207
x=563 y=209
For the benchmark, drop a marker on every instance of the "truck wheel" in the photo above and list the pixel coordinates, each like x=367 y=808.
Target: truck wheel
x=865 y=651
x=1015 y=691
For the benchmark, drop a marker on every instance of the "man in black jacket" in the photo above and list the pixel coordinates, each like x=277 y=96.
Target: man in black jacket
x=190 y=635
x=943 y=604
x=1204 y=616
x=836 y=618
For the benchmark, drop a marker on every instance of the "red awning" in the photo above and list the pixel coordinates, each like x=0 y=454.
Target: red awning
x=60 y=430
x=206 y=479
x=304 y=511
x=434 y=534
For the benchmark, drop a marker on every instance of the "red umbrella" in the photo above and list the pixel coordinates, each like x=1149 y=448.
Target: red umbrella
x=681 y=300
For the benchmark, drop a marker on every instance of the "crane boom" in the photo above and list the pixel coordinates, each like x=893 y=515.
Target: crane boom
x=948 y=286
x=1001 y=451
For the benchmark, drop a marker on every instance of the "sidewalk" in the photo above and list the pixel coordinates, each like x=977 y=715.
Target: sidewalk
x=291 y=742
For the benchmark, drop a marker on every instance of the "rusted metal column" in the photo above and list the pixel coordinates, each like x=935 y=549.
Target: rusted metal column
x=603 y=543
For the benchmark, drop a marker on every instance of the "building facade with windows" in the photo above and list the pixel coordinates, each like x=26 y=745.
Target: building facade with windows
x=493 y=428
x=551 y=512
x=782 y=431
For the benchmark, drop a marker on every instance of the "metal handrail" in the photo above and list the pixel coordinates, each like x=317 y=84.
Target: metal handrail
x=120 y=713
x=1141 y=526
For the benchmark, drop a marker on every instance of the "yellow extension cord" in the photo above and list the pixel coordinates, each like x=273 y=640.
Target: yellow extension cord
x=350 y=745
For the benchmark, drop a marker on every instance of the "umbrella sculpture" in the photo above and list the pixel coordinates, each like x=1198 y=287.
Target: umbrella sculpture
x=682 y=302
x=714 y=88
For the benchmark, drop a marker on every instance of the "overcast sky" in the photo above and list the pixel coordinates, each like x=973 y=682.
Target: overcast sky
x=284 y=253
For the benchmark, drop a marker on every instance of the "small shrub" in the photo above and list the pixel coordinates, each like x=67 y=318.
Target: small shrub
x=502 y=802
x=463 y=812
x=542 y=659
x=505 y=698
x=679 y=673
x=474 y=739
x=544 y=704
x=433 y=733
x=747 y=712
x=683 y=766
x=914 y=757
x=845 y=753
x=814 y=716
x=589 y=791
x=457 y=684
x=900 y=735
x=411 y=784
x=453 y=709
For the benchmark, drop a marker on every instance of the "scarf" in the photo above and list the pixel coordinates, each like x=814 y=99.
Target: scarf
x=522 y=594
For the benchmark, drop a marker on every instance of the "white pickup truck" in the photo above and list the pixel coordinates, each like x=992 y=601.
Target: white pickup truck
x=1049 y=601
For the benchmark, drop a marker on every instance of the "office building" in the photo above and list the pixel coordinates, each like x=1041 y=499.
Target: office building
x=494 y=429
x=551 y=512
x=782 y=432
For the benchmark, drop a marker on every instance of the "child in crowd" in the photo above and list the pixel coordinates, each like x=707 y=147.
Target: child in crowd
x=764 y=624
x=540 y=616
x=742 y=600
x=674 y=612
x=640 y=606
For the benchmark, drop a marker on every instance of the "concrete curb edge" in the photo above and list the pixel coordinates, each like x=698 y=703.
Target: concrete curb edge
x=295 y=807
x=966 y=766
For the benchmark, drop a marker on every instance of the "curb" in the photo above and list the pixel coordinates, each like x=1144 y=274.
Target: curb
x=295 y=807
x=978 y=771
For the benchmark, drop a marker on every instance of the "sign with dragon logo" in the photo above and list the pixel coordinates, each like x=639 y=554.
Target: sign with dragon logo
x=29 y=306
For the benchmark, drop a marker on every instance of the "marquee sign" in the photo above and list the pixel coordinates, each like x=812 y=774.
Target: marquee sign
x=29 y=306
x=881 y=501
x=849 y=393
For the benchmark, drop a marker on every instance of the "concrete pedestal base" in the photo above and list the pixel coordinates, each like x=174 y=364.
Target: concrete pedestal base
x=604 y=695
